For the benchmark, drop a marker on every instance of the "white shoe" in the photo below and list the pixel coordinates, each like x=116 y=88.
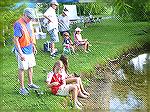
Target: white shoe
x=76 y=106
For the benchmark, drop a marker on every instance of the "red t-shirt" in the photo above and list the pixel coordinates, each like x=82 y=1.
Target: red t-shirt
x=56 y=78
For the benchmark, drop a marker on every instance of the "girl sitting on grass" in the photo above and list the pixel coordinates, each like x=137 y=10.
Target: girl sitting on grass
x=58 y=86
x=80 y=41
x=71 y=79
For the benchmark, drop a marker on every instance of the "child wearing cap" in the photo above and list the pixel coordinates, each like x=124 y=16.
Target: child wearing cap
x=67 y=43
x=80 y=41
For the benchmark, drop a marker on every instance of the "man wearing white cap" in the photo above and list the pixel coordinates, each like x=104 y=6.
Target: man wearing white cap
x=25 y=49
x=64 y=22
x=52 y=26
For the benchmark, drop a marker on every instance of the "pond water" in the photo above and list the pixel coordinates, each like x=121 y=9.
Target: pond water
x=128 y=92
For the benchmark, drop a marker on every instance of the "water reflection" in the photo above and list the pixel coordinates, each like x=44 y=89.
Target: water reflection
x=139 y=62
x=131 y=102
x=130 y=91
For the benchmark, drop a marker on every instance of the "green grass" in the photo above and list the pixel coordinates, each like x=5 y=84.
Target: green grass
x=109 y=39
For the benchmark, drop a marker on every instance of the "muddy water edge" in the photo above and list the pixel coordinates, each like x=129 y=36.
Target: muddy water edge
x=123 y=85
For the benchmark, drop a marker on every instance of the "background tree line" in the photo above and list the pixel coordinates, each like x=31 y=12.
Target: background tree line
x=132 y=10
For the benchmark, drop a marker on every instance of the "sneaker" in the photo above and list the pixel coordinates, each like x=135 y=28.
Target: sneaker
x=53 y=55
x=33 y=86
x=24 y=91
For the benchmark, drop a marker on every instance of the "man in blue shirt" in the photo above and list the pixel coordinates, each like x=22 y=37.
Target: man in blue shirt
x=25 y=49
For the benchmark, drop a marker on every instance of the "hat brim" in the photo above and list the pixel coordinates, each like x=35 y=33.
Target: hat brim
x=53 y=3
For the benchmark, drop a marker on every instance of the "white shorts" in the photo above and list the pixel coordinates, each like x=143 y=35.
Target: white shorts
x=28 y=63
x=63 y=90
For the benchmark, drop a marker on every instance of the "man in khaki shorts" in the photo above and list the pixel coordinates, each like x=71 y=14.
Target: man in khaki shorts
x=24 y=41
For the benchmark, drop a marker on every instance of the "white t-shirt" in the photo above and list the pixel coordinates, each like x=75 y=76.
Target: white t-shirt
x=49 y=76
x=51 y=14
x=63 y=23
x=79 y=37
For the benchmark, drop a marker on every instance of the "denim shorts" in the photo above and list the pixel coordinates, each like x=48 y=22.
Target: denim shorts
x=54 y=35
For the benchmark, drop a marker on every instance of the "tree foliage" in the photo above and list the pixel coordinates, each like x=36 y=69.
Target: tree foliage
x=9 y=14
x=137 y=10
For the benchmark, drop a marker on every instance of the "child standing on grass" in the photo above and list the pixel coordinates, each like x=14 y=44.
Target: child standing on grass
x=67 y=43
x=80 y=41
x=59 y=87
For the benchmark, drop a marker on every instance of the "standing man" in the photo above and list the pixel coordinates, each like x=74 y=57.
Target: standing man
x=64 y=22
x=25 y=49
x=52 y=26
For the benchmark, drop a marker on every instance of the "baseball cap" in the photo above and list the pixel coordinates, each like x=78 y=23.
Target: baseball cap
x=78 y=29
x=66 y=34
x=54 y=2
x=30 y=13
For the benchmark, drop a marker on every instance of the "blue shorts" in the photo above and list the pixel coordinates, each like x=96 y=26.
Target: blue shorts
x=54 y=35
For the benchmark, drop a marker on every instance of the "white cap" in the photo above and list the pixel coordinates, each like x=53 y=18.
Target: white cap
x=54 y=2
x=78 y=29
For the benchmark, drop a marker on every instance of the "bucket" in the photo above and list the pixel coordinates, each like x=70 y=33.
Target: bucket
x=43 y=35
x=37 y=36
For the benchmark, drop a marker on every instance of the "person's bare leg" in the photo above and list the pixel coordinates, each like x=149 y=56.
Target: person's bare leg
x=81 y=86
x=78 y=82
x=72 y=47
x=30 y=74
x=52 y=46
x=74 y=91
x=21 y=77
x=85 y=47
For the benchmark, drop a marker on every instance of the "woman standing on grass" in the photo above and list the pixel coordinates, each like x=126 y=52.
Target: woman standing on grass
x=58 y=86
x=70 y=79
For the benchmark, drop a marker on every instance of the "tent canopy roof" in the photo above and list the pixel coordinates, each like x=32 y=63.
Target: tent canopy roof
x=63 y=1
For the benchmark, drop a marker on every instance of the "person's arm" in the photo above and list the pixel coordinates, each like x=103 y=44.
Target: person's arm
x=47 y=15
x=52 y=84
x=33 y=38
x=16 y=42
x=34 y=49
x=71 y=42
x=49 y=20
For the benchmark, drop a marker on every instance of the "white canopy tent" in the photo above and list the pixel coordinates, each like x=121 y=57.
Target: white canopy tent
x=72 y=12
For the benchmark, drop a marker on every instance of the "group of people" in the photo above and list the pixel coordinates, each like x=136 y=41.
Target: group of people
x=60 y=83
x=25 y=48
x=61 y=24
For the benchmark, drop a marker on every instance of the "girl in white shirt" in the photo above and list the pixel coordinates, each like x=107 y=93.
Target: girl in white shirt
x=80 y=41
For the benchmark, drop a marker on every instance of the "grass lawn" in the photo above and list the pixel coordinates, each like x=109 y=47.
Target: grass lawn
x=109 y=39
